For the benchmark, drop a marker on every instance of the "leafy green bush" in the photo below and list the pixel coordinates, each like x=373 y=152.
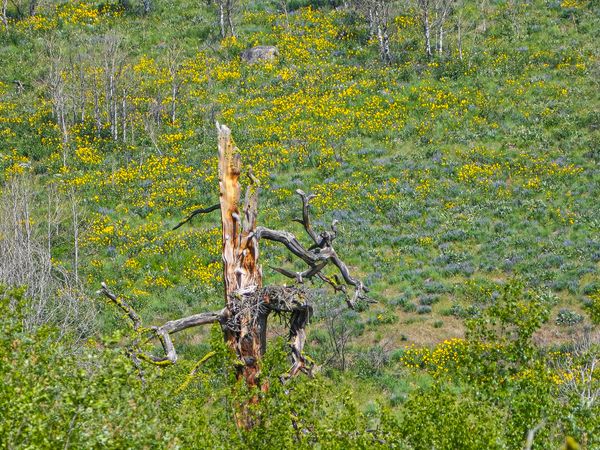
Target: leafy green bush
x=423 y=309
x=439 y=417
x=567 y=317
x=496 y=376
x=510 y=318
x=593 y=307
x=53 y=398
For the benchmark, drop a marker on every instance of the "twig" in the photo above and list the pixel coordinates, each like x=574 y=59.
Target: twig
x=195 y=213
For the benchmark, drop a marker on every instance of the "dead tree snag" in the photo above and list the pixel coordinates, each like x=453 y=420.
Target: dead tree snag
x=247 y=303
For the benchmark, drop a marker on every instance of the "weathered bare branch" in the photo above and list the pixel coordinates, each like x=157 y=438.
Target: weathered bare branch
x=317 y=256
x=578 y=369
x=300 y=276
x=291 y=243
x=531 y=434
x=297 y=338
x=175 y=326
x=293 y=304
x=359 y=288
x=287 y=273
x=195 y=213
x=123 y=305
x=162 y=332
x=305 y=221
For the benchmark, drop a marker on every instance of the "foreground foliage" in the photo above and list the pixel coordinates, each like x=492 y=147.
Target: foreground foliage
x=51 y=398
x=481 y=395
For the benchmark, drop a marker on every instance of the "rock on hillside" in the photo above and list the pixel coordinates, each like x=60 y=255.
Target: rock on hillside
x=260 y=53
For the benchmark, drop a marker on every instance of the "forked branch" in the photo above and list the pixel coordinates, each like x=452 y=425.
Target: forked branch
x=163 y=333
x=317 y=256
x=305 y=221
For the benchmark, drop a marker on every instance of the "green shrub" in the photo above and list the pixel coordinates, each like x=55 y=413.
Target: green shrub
x=54 y=398
x=438 y=417
x=567 y=317
x=593 y=307
x=423 y=309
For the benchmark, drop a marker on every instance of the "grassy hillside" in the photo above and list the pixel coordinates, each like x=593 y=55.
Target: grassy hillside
x=450 y=176
x=441 y=172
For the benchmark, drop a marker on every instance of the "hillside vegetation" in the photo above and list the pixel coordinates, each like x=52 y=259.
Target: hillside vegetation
x=466 y=185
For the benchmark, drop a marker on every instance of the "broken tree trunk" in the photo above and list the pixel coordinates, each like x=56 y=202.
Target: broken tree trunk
x=245 y=332
x=247 y=303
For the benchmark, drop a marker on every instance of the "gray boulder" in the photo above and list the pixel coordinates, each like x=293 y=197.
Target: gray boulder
x=260 y=53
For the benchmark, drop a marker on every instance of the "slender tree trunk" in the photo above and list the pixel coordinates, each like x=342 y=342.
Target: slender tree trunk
x=27 y=221
x=109 y=99
x=49 y=221
x=75 y=214
x=82 y=89
x=380 y=16
x=96 y=94
x=62 y=119
x=230 y=17
x=384 y=43
x=132 y=130
x=174 y=92
x=114 y=107
x=371 y=23
x=284 y=7
x=4 y=18
x=427 y=31
x=63 y=125
x=222 y=18
x=484 y=13
x=113 y=65
x=460 y=52
x=124 y=115
x=441 y=40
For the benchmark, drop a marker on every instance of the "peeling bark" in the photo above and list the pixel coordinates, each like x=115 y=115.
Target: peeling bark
x=242 y=275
